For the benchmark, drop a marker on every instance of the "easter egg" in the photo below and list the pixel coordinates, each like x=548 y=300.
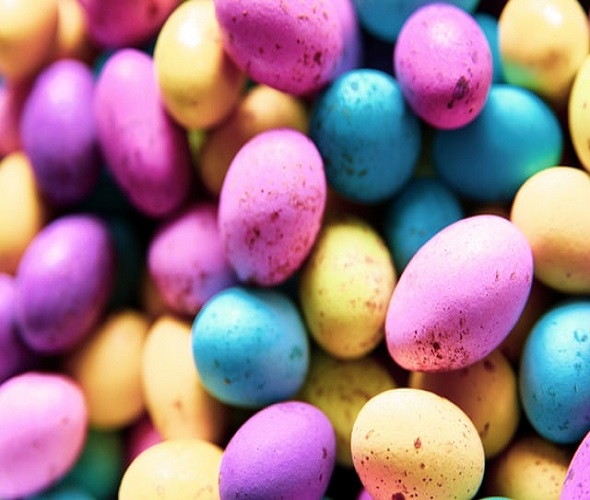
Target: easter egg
x=552 y=210
x=579 y=113
x=443 y=63
x=271 y=205
x=285 y=450
x=173 y=470
x=542 y=45
x=368 y=137
x=73 y=39
x=345 y=288
x=553 y=368
x=63 y=282
x=293 y=46
x=200 y=84
x=412 y=442
x=515 y=136
x=12 y=99
x=576 y=485
x=460 y=295
x=145 y=150
x=42 y=431
x=489 y=26
x=250 y=347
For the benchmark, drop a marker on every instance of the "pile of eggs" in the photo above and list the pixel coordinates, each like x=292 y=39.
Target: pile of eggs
x=294 y=249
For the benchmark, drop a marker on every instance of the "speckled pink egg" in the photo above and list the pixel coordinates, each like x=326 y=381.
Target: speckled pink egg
x=460 y=295
x=271 y=205
x=287 y=450
x=145 y=150
x=443 y=63
x=291 y=45
x=43 y=419
x=577 y=481
x=186 y=259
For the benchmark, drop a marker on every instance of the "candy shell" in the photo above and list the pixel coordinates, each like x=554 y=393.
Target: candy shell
x=579 y=113
x=577 y=482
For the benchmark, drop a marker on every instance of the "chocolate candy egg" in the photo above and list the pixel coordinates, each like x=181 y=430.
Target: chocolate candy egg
x=460 y=295
x=284 y=451
x=412 y=442
x=271 y=205
x=294 y=46
x=42 y=431
x=63 y=282
x=443 y=63
x=577 y=482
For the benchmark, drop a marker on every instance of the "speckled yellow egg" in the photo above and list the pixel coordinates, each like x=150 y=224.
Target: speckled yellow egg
x=173 y=470
x=22 y=209
x=346 y=286
x=340 y=388
x=410 y=442
x=530 y=468
x=262 y=108
x=200 y=85
x=579 y=113
x=28 y=31
x=542 y=45
x=552 y=209
x=486 y=391
x=175 y=398
x=108 y=369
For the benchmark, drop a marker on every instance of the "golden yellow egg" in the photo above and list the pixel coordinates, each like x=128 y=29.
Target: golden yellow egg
x=73 y=39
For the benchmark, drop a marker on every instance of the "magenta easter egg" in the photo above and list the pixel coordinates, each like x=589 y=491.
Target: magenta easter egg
x=460 y=295
x=577 y=481
x=271 y=205
x=443 y=63
x=43 y=419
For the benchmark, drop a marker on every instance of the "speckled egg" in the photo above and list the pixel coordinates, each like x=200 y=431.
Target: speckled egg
x=412 y=442
x=577 y=482
x=443 y=63
x=345 y=288
x=293 y=45
x=43 y=421
x=460 y=295
x=286 y=450
x=63 y=282
x=271 y=205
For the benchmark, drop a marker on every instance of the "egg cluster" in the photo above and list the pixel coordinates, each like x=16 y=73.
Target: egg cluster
x=294 y=249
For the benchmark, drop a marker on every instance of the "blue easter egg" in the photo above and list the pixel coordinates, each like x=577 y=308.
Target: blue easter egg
x=250 y=347
x=515 y=136
x=554 y=373
x=369 y=139
x=489 y=26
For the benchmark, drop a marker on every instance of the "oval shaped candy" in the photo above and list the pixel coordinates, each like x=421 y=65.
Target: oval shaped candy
x=460 y=295
x=579 y=113
x=577 y=482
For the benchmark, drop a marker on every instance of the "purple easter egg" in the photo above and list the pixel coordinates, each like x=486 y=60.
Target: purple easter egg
x=577 y=481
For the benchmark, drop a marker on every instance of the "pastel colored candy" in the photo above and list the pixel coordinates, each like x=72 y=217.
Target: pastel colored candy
x=460 y=295
x=145 y=150
x=63 y=282
x=271 y=205
x=286 y=450
x=58 y=132
x=577 y=483
x=42 y=431
x=579 y=114
x=443 y=63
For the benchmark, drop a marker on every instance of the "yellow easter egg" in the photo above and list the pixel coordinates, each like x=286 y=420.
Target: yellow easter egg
x=73 y=39
x=175 y=398
x=486 y=391
x=262 y=108
x=346 y=286
x=410 y=443
x=579 y=114
x=552 y=209
x=28 y=31
x=200 y=85
x=184 y=469
x=22 y=209
x=108 y=368
x=542 y=44
x=530 y=468
x=340 y=388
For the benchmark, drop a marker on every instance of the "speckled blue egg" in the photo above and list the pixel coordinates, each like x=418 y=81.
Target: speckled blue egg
x=554 y=373
x=422 y=209
x=368 y=137
x=515 y=136
x=250 y=347
x=489 y=26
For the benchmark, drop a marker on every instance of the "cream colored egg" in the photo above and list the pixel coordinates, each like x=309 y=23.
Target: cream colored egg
x=579 y=113
x=410 y=442
x=346 y=286
x=340 y=388
x=175 y=398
